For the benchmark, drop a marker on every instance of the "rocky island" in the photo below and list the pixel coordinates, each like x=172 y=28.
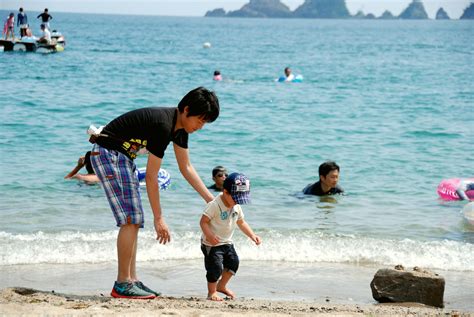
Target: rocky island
x=327 y=9
x=468 y=13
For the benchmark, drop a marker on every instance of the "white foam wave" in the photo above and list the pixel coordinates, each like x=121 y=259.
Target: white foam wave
x=94 y=247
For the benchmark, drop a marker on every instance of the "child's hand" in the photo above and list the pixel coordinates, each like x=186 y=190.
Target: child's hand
x=212 y=239
x=257 y=240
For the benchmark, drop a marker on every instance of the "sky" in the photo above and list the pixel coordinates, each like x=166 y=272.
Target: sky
x=454 y=8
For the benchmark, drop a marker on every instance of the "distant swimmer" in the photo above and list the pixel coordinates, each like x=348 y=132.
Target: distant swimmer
x=219 y=174
x=290 y=77
x=465 y=189
x=327 y=184
x=217 y=76
x=90 y=177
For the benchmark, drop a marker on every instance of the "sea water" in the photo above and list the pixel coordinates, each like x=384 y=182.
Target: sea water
x=390 y=101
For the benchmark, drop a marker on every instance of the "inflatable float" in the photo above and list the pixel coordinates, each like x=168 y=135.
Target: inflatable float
x=296 y=79
x=164 y=178
x=447 y=189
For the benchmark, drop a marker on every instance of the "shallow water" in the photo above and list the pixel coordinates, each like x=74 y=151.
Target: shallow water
x=390 y=101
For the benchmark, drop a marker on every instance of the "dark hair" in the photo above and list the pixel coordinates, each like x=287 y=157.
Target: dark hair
x=218 y=169
x=45 y=9
x=327 y=167
x=216 y=72
x=87 y=161
x=21 y=9
x=43 y=25
x=202 y=103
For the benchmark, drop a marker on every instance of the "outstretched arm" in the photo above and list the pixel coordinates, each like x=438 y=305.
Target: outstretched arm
x=244 y=226
x=89 y=178
x=190 y=174
x=462 y=194
x=80 y=164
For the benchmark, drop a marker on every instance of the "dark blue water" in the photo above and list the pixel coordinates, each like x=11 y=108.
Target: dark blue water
x=390 y=101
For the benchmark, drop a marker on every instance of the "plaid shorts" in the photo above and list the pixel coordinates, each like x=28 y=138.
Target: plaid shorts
x=116 y=172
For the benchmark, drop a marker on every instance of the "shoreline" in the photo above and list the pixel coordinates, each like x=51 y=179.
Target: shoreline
x=19 y=301
x=276 y=288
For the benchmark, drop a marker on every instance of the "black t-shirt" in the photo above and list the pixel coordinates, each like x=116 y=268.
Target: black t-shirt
x=152 y=128
x=316 y=189
x=45 y=17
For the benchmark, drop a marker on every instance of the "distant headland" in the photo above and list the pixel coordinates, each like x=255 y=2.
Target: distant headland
x=328 y=9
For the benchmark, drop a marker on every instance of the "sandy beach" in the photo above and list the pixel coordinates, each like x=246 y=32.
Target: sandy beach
x=299 y=290
x=26 y=301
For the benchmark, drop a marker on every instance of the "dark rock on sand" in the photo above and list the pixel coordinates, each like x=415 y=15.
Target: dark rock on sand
x=398 y=285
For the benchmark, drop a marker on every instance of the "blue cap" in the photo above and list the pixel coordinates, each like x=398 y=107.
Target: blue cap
x=238 y=186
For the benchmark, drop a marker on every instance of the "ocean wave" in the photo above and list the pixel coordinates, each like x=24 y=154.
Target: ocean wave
x=304 y=247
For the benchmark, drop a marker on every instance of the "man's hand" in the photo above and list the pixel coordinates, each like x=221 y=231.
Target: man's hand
x=162 y=232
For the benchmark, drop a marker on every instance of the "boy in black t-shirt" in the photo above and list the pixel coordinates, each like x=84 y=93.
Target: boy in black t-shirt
x=327 y=184
x=119 y=142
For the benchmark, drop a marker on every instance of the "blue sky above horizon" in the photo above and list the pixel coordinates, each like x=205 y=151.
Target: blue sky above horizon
x=454 y=8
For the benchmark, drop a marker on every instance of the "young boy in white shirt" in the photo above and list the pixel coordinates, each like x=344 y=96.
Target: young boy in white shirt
x=218 y=223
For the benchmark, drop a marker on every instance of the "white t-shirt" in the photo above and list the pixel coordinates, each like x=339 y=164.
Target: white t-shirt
x=223 y=220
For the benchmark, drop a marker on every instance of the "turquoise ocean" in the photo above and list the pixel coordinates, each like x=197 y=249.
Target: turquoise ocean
x=390 y=101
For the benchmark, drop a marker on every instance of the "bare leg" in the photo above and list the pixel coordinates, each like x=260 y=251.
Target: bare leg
x=133 y=270
x=212 y=292
x=126 y=244
x=222 y=284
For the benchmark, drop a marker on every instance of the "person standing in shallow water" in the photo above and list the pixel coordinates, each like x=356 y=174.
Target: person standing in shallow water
x=328 y=179
x=218 y=223
x=112 y=155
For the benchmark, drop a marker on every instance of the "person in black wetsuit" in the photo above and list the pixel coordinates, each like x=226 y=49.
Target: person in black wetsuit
x=327 y=184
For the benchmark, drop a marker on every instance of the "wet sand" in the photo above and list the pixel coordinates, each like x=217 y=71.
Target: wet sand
x=274 y=290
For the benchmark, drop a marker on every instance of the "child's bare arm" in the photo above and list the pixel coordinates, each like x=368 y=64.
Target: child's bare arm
x=244 y=226
x=210 y=236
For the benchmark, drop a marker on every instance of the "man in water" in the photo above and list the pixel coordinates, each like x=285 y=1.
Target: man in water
x=289 y=76
x=219 y=174
x=327 y=184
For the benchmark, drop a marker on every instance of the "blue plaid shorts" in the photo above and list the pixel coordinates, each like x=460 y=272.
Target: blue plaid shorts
x=116 y=172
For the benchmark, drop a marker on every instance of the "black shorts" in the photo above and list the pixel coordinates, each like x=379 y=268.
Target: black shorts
x=219 y=258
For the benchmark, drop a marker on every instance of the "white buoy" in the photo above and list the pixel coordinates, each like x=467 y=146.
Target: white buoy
x=206 y=45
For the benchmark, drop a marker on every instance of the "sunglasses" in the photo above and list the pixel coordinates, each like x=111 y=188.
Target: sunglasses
x=221 y=174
